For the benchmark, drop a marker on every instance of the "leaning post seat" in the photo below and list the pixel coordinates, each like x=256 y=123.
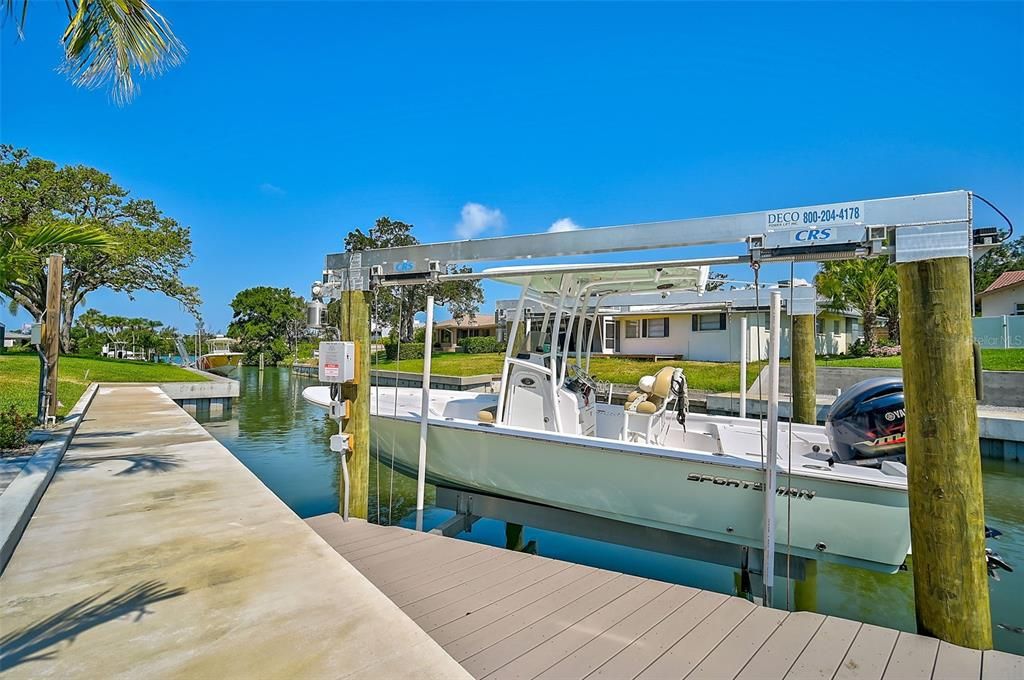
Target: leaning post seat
x=646 y=402
x=487 y=415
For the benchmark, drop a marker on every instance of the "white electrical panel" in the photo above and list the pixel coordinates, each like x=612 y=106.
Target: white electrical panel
x=337 y=362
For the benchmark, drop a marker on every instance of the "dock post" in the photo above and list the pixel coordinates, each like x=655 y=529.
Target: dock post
x=54 y=279
x=804 y=395
x=947 y=512
x=354 y=326
x=421 y=469
x=771 y=454
x=744 y=340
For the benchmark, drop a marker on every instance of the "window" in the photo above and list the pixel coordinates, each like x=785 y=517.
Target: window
x=609 y=335
x=1020 y=309
x=647 y=328
x=707 y=322
x=835 y=327
x=819 y=326
x=657 y=328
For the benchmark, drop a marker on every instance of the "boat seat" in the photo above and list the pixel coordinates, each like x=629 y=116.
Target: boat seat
x=647 y=402
x=487 y=415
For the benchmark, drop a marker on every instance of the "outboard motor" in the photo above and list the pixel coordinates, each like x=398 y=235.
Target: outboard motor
x=866 y=424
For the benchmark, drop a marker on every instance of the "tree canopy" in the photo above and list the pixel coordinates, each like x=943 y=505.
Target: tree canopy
x=107 y=42
x=95 y=329
x=396 y=308
x=145 y=250
x=1006 y=257
x=264 y=320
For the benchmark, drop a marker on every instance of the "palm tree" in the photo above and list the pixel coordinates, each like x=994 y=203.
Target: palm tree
x=106 y=41
x=867 y=285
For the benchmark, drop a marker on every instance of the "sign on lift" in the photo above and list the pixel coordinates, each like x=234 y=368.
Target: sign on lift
x=337 y=362
x=815 y=225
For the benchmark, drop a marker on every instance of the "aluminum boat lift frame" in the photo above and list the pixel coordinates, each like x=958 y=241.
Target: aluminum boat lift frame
x=906 y=228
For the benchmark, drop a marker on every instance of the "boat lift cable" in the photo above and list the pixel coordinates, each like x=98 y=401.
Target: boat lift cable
x=989 y=203
x=394 y=434
x=789 y=455
x=376 y=394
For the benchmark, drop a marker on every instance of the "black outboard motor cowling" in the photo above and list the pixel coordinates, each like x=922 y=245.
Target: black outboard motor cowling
x=866 y=424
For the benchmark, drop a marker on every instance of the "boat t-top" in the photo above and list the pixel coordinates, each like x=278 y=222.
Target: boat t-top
x=544 y=438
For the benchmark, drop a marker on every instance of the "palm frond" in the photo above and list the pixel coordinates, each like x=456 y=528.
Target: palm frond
x=65 y=234
x=107 y=41
x=9 y=12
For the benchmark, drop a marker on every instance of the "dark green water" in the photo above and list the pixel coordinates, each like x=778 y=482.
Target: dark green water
x=284 y=441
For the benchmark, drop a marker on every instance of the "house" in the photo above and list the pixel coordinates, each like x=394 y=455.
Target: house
x=1004 y=296
x=694 y=331
x=12 y=338
x=447 y=334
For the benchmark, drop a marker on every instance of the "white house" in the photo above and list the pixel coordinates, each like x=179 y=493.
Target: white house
x=1004 y=296
x=697 y=332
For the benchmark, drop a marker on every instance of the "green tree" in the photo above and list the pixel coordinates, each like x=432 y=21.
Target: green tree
x=263 y=319
x=397 y=307
x=107 y=42
x=867 y=285
x=95 y=329
x=147 y=249
x=1006 y=257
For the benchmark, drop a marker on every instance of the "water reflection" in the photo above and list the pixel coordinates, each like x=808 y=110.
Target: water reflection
x=285 y=442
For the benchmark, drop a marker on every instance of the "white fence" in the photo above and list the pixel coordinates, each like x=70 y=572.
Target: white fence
x=999 y=332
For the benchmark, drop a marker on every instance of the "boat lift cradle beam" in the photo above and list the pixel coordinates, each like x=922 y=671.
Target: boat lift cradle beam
x=908 y=228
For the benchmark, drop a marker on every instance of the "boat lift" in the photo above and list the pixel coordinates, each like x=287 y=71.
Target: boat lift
x=907 y=229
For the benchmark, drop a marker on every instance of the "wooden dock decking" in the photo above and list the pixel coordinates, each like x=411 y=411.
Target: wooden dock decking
x=504 y=614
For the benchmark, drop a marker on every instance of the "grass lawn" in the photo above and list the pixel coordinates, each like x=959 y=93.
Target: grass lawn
x=700 y=375
x=19 y=377
x=991 y=359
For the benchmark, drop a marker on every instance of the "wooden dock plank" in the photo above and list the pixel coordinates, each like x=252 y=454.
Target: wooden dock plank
x=1001 y=666
x=507 y=615
x=952 y=663
x=610 y=642
x=652 y=644
x=778 y=654
x=869 y=654
x=733 y=653
x=490 y=586
x=689 y=651
x=825 y=652
x=452 y=575
x=517 y=646
x=912 y=657
x=474 y=620
x=568 y=640
x=493 y=633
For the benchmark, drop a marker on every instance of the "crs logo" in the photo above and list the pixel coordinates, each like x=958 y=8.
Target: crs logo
x=404 y=266
x=813 y=235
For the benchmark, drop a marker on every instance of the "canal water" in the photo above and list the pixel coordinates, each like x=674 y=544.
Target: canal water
x=284 y=441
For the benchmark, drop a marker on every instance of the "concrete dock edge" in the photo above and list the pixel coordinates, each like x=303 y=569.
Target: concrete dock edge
x=20 y=499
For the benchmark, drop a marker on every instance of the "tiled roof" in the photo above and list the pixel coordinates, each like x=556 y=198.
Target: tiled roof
x=1005 y=279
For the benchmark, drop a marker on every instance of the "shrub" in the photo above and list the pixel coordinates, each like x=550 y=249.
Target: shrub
x=410 y=350
x=484 y=345
x=14 y=428
x=884 y=348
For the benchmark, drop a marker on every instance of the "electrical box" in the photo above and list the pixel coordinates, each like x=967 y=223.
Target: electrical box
x=37 y=334
x=341 y=443
x=337 y=362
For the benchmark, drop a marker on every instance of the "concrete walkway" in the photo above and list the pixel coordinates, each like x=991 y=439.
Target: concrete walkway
x=155 y=553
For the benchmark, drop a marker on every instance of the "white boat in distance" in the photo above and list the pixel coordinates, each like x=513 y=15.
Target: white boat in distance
x=220 y=358
x=543 y=438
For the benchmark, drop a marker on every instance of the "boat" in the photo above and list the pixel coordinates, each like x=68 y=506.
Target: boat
x=220 y=358
x=544 y=438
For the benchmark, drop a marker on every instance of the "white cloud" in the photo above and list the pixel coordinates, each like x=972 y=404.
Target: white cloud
x=272 y=189
x=564 y=224
x=477 y=218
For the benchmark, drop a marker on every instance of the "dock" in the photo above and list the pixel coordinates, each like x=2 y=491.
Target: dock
x=154 y=552
x=505 y=614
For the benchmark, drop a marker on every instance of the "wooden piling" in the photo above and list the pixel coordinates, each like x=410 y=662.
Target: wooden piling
x=54 y=279
x=805 y=407
x=354 y=326
x=947 y=513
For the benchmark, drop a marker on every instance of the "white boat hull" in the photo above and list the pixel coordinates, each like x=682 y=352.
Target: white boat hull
x=852 y=523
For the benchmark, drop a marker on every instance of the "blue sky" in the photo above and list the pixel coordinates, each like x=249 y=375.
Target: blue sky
x=291 y=123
